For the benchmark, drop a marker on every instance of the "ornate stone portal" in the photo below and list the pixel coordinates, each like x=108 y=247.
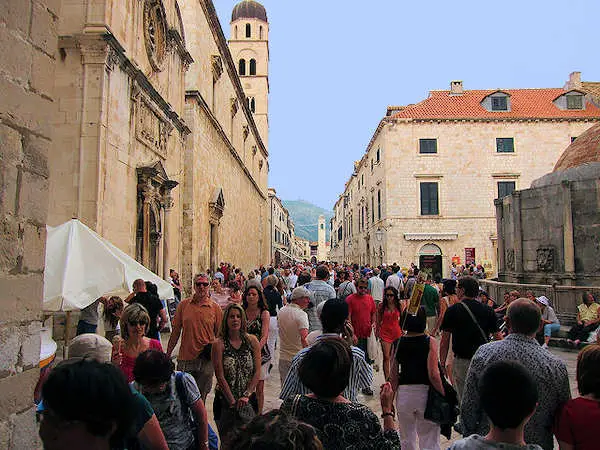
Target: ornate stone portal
x=154 y=206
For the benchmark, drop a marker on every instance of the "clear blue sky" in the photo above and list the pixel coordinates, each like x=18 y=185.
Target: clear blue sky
x=336 y=66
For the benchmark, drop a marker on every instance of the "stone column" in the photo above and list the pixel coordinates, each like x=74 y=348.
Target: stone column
x=167 y=207
x=518 y=233
x=500 y=235
x=146 y=228
x=568 y=244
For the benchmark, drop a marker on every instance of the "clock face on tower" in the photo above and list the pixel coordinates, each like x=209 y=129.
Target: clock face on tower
x=155 y=32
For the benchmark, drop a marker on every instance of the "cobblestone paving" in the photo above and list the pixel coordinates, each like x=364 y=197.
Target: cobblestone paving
x=273 y=387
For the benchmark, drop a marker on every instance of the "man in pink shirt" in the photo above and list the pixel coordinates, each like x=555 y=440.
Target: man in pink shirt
x=361 y=307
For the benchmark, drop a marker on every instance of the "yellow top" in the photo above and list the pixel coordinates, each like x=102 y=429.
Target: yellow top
x=588 y=312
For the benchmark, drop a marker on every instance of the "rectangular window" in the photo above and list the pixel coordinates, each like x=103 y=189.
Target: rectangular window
x=427 y=146
x=379 y=204
x=378 y=154
x=499 y=104
x=505 y=145
x=429 y=199
x=339 y=234
x=373 y=209
x=574 y=101
x=505 y=188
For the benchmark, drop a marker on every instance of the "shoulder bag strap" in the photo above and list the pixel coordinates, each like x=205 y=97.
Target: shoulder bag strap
x=485 y=338
x=295 y=404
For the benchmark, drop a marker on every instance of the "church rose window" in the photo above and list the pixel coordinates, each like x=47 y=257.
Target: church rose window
x=155 y=32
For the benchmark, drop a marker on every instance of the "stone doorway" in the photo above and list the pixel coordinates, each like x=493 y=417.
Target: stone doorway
x=430 y=261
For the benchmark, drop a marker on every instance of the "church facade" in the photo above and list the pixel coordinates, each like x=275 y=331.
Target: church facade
x=157 y=145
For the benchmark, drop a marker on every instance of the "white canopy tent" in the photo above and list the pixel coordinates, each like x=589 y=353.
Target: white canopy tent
x=82 y=266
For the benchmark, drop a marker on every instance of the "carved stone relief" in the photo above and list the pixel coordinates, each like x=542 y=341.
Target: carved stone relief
x=217 y=66
x=510 y=259
x=151 y=130
x=545 y=259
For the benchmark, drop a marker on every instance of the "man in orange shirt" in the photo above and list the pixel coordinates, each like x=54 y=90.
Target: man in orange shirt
x=199 y=318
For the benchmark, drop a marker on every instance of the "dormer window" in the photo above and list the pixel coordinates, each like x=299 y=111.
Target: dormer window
x=499 y=104
x=574 y=101
x=498 y=101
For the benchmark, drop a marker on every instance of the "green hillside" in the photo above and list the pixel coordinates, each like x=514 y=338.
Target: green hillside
x=305 y=216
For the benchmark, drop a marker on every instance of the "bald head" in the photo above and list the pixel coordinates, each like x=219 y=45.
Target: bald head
x=524 y=317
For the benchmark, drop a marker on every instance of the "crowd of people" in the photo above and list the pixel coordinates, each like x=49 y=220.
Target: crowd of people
x=446 y=347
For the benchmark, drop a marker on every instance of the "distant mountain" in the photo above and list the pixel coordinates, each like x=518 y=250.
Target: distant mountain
x=305 y=216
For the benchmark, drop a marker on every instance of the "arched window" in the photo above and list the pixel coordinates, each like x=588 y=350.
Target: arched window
x=248 y=30
x=252 y=67
x=252 y=105
x=260 y=33
x=242 y=67
x=235 y=33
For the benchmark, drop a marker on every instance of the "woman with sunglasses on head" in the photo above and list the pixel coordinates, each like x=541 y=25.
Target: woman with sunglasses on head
x=388 y=325
x=134 y=325
x=236 y=358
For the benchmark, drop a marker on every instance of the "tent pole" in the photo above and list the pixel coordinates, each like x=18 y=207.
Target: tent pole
x=67 y=337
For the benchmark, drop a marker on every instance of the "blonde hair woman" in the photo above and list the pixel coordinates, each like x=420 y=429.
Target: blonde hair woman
x=236 y=359
x=134 y=324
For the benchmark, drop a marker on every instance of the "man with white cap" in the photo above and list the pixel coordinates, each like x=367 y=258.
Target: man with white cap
x=549 y=320
x=293 y=328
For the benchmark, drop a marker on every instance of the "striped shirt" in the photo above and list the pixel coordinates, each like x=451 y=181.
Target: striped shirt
x=361 y=375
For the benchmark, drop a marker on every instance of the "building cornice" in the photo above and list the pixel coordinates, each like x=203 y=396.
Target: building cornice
x=449 y=236
x=217 y=31
x=492 y=119
x=197 y=97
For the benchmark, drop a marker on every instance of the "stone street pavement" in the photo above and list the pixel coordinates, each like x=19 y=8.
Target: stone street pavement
x=273 y=387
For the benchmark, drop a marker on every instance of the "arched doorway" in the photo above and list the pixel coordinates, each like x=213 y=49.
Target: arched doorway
x=430 y=261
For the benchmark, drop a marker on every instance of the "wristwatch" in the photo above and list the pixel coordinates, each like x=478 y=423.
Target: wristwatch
x=246 y=394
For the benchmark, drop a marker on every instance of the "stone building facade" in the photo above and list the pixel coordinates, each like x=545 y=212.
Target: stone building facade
x=156 y=147
x=283 y=236
x=423 y=191
x=28 y=53
x=225 y=205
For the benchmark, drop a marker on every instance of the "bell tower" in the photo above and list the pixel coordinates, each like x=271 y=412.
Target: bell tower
x=249 y=46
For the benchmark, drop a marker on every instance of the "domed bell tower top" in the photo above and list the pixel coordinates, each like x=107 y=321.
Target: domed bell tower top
x=249 y=46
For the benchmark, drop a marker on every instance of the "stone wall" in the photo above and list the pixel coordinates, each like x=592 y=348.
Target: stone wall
x=27 y=52
x=550 y=234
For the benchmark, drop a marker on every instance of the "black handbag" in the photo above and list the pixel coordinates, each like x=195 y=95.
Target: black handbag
x=442 y=409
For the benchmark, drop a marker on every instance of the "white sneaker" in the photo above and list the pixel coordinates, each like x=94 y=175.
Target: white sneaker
x=544 y=345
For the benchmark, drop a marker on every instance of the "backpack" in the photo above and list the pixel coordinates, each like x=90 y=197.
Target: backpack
x=213 y=440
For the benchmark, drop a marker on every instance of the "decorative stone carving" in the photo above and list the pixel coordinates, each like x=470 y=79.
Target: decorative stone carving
x=246 y=132
x=260 y=164
x=254 y=150
x=545 y=259
x=216 y=206
x=113 y=59
x=234 y=106
x=151 y=130
x=155 y=32
x=510 y=259
x=217 y=66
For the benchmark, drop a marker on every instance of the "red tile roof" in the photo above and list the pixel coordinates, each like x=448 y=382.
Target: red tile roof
x=524 y=104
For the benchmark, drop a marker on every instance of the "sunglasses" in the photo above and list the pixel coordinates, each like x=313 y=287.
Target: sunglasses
x=135 y=323
x=201 y=284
